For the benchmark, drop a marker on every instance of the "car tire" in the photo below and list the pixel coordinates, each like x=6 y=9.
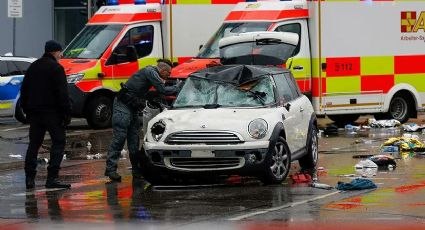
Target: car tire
x=277 y=163
x=19 y=113
x=400 y=108
x=309 y=161
x=99 y=112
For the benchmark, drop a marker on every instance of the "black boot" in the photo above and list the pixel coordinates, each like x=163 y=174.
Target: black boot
x=30 y=181
x=55 y=183
x=114 y=176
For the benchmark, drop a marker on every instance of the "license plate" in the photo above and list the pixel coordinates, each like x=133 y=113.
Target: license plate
x=202 y=153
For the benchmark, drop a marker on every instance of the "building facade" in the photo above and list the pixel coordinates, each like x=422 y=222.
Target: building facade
x=41 y=20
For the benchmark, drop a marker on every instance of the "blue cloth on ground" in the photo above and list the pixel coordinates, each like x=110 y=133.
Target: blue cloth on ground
x=356 y=184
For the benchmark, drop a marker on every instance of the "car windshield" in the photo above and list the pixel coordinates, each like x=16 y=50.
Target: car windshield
x=198 y=92
x=210 y=50
x=260 y=52
x=92 y=41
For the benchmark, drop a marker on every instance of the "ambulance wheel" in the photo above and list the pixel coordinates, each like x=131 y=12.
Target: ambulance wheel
x=342 y=120
x=99 y=112
x=19 y=113
x=401 y=107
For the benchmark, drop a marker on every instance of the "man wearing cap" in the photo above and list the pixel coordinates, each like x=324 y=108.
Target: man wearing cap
x=45 y=101
x=125 y=119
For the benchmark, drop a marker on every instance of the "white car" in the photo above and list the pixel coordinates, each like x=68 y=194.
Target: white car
x=12 y=71
x=235 y=119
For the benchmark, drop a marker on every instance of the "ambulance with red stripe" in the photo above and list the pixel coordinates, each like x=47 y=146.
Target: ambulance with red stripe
x=127 y=35
x=353 y=57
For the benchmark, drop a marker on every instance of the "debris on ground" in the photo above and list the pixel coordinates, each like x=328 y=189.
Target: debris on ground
x=331 y=130
x=413 y=127
x=94 y=156
x=383 y=123
x=405 y=144
x=299 y=178
x=365 y=164
x=18 y=156
x=321 y=186
x=367 y=172
x=383 y=161
x=356 y=184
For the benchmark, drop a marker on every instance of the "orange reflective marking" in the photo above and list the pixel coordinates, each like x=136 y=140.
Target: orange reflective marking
x=344 y=66
x=87 y=86
x=268 y=15
x=377 y=82
x=125 y=18
x=409 y=64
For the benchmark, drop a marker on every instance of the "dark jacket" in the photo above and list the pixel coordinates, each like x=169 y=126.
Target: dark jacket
x=140 y=83
x=45 y=88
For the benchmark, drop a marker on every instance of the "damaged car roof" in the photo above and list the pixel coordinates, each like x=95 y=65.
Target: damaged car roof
x=237 y=74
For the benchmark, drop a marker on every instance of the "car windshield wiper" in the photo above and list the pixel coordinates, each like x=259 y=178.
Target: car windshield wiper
x=211 y=106
x=258 y=95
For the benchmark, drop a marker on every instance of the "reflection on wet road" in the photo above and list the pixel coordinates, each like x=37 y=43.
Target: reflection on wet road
x=93 y=199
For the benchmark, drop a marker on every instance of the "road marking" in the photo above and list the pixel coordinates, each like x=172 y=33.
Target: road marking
x=293 y=204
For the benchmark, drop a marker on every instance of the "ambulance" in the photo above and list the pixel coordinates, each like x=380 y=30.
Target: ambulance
x=353 y=56
x=127 y=35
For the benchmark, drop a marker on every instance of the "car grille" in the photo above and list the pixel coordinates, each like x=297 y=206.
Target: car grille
x=205 y=164
x=196 y=137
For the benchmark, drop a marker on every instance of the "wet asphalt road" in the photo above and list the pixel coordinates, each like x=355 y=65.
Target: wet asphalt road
x=233 y=203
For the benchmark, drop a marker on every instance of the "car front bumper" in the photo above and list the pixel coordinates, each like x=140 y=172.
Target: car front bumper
x=243 y=159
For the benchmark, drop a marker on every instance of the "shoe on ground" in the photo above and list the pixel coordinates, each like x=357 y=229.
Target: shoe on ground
x=114 y=176
x=55 y=183
x=30 y=182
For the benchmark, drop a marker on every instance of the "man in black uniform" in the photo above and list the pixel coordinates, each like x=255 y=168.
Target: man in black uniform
x=125 y=120
x=44 y=95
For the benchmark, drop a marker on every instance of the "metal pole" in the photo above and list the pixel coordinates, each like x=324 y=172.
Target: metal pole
x=14 y=36
x=89 y=9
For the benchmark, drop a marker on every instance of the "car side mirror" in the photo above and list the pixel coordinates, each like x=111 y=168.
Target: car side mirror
x=131 y=53
x=200 y=47
x=287 y=106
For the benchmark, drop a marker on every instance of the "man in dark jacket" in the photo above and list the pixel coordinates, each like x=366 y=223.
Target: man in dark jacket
x=44 y=95
x=125 y=120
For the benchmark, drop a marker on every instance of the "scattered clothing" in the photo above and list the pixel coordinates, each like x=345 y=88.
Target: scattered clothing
x=356 y=184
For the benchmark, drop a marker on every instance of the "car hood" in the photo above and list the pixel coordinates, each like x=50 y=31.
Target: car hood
x=221 y=119
x=74 y=66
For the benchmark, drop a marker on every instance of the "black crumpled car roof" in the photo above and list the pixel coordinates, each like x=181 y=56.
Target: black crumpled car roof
x=237 y=74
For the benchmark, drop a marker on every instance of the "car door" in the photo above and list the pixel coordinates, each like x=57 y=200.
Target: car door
x=290 y=110
x=10 y=84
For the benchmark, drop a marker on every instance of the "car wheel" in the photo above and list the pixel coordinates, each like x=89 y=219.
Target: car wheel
x=19 y=113
x=278 y=163
x=99 y=112
x=309 y=161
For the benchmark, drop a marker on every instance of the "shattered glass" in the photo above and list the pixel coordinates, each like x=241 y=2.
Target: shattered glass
x=201 y=92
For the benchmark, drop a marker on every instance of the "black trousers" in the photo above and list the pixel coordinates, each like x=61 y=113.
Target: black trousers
x=39 y=124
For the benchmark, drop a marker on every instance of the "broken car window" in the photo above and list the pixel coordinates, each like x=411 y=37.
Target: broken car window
x=199 y=92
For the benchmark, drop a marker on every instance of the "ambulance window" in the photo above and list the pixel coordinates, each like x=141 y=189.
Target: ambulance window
x=139 y=37
x=293 y=28
x=3 y=69
x=142 y=39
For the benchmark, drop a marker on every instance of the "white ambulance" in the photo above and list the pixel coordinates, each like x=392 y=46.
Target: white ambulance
x=353 y=57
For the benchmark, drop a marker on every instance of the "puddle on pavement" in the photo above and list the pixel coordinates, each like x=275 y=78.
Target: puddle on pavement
x=84 y=147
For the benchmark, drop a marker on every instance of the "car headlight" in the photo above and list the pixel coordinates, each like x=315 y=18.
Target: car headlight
x=257 y=128
x=157 y=130
x=74 y=78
